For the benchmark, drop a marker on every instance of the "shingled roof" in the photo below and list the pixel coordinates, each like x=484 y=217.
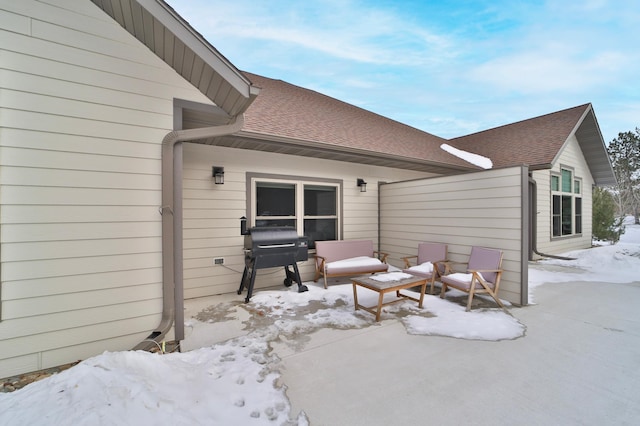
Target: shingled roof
x=290 y=119
x=537 y=142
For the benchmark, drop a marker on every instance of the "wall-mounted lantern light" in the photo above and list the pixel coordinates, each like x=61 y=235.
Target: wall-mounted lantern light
x=218 y=175
x=362 y=184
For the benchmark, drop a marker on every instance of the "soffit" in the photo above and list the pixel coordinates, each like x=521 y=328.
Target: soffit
x=155 y=24
x=245 y=140
x=594 y=150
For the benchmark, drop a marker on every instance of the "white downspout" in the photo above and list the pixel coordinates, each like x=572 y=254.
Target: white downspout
x=171 y=211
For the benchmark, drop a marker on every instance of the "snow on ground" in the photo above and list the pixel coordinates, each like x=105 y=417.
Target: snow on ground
x=619 y=263
x=237 y=382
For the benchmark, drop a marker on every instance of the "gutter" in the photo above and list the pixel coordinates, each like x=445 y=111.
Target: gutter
x=171 y=211
x=311 y=144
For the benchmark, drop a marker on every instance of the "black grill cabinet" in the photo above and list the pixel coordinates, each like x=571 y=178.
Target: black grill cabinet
x=268 y=247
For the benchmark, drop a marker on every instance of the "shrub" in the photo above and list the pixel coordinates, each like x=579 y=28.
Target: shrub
x=606 y=226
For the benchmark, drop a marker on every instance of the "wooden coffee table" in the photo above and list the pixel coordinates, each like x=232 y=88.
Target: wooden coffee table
x=383 y=287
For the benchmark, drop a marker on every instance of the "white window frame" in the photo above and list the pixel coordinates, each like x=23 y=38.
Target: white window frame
x=299 y=182
x=563 y=194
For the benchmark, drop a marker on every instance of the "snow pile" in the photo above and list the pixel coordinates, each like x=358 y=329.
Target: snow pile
x=391 y=276
x=228 y=384
x=452 y=320
x=425 y=268
x=475 y=159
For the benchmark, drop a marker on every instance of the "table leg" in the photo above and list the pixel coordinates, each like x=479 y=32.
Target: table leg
x=355 y=296
x=379 y=306
x=422 y=291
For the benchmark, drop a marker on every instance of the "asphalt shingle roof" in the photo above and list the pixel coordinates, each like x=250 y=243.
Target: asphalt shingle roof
x=535 y=141
x=290 y=111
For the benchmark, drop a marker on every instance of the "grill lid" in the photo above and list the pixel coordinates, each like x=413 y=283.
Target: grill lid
x=271 y=237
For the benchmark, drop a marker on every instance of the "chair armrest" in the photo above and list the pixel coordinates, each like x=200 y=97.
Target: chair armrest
x=449 y=266
x=382 y=256
x=407 y=263
x=437 y=264
x=322 y=259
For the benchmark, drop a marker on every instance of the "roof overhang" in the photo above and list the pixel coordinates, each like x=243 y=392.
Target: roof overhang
x=287 y=146
x=155 y=24
x=594 y=149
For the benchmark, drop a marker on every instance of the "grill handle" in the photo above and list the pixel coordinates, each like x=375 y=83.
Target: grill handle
x=268 y=246
x=243 y=226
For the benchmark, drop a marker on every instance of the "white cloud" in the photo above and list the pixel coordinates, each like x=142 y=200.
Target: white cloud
x=483 y=65
x=550 y=70
x=339 y=29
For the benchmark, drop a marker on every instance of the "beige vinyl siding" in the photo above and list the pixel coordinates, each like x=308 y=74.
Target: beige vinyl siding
x=83 y=110
x=570 y=157
x=475 y=209
x=211 y=223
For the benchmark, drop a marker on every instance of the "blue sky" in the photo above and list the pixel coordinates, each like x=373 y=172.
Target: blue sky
x=446 y=67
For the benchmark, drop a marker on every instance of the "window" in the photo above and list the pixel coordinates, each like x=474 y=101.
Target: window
x=566 y=208
x=578 y=202
x=310 y=207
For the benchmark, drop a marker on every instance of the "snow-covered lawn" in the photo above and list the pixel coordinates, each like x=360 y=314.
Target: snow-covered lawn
x=237 y=382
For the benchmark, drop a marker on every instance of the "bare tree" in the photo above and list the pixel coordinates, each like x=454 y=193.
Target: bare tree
x=624 y=152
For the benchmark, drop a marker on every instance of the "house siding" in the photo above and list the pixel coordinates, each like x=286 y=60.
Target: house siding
x=212 y=212
x=83 y=110
x=475 y=209
x=570 y=156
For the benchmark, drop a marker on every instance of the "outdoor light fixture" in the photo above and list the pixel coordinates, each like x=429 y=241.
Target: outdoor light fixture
x=218 y=175
x=362 y=184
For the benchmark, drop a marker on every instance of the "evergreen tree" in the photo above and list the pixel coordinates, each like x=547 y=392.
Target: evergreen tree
x=606 y=226
x=624 y=152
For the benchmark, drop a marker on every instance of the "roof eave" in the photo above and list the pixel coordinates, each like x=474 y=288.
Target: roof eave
x=592 y=145
x=155 y=24
x=292 y=146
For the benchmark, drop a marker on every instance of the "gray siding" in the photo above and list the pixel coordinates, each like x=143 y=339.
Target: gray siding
x=211 y=212
x=570 y=156
x=83 y=110
x=483 y=209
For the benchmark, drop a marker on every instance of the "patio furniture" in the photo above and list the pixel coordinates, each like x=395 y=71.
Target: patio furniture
x=343 y=258
x=372 y=282
x=429 y=262
x=482 y=275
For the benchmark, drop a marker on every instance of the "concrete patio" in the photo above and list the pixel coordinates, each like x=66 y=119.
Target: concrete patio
x=577 y=364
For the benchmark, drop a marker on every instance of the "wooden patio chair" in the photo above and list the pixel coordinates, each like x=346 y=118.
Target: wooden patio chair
x=482 y=275
x=429 y=262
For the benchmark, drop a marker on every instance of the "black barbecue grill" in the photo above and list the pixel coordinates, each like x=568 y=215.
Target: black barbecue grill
x=268 y=247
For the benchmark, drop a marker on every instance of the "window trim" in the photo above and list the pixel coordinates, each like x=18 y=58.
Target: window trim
x=577 y=183
x=562 y=194
x=251 y=177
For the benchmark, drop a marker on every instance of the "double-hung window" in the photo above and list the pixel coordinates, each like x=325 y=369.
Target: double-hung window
x=566 y=195
x=309 y=206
